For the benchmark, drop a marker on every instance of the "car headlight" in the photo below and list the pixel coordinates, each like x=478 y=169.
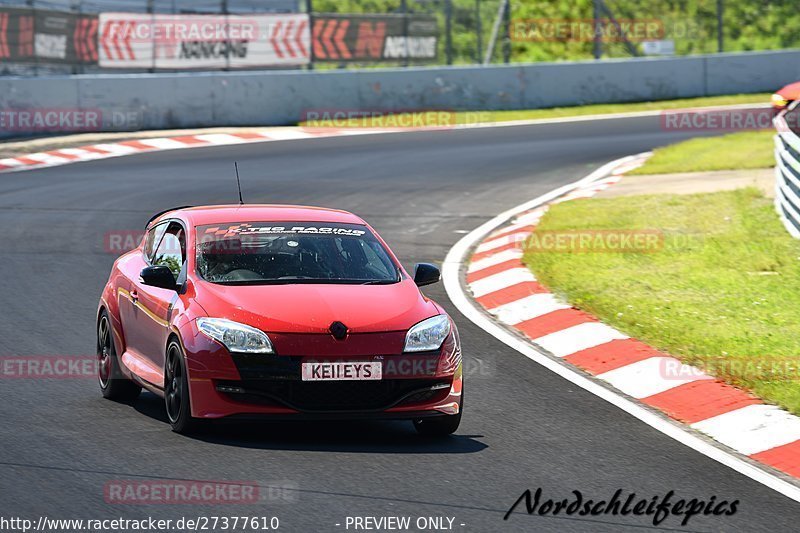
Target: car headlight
x=428 y=335
x=235 y=336
x=778 y=100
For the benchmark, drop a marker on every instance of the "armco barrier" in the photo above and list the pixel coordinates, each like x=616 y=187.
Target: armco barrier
x=787 y=175
x=159 y=101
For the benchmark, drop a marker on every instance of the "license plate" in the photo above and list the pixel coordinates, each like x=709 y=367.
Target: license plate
x=342 y=371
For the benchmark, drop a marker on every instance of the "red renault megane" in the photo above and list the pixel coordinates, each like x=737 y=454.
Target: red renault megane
x=276 y=311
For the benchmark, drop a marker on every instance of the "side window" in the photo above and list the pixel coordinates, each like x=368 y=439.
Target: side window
x=171 y=252
x=153 y=238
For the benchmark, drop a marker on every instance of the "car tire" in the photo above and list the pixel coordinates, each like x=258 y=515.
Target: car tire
x=113 y=384
x=176 y=391
x=440 y=426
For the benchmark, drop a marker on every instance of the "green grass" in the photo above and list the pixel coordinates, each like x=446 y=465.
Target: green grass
x=603 y=109
x=722 y=293
x=736 y=151
x=473 y=117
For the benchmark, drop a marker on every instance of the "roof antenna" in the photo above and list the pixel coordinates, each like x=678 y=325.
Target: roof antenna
x=238 y=184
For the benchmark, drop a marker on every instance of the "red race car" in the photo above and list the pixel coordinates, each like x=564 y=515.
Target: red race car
x=278 y=312
x=785 y=96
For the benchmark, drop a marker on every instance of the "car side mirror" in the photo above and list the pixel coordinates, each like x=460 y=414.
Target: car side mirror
x=159 y=276
x=426 y=274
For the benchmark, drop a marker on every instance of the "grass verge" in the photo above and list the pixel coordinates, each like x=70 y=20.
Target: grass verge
x=472 y=117
x=722 y=293
x=735 y=151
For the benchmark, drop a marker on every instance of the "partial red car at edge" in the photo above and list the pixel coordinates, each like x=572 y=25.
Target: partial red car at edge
x=785 y=96
x=251 y=311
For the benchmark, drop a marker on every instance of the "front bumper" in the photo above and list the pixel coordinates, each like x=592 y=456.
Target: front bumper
x=223 y=398
x=223 y=385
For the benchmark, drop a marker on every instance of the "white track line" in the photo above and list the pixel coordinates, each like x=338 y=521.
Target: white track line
x=223 y=139
x=512 y=238
x=47 y=159
x=752 y=429
x=532 y=306
x=576 y=338
x=531 y=218
x=650 y=376
x=501 y=281
x=495 y=259
x=451 y=274
x=163 y=143
x=86 y=155
x=513 y=228
x=113 y=148
x=287 y=135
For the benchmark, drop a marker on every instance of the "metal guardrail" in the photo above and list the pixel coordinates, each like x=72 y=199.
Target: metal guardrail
x=787 y=173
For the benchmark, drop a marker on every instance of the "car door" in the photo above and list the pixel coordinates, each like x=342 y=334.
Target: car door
x=130 y=267
x=155 y=304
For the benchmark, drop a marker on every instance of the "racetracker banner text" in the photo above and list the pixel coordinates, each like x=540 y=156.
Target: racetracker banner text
x=135 y=40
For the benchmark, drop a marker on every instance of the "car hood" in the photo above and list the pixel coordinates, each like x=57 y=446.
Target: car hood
x=312 y=308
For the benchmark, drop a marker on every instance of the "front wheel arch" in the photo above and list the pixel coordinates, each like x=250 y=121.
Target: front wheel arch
x=173 y=337
x=113 y=383
x=176 y=378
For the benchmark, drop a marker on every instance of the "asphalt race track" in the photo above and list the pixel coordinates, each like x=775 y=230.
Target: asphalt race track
x=524 y=427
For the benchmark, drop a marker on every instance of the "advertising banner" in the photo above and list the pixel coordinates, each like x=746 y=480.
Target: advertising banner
x=374 y=38
x=134 y=40
x=44 y=36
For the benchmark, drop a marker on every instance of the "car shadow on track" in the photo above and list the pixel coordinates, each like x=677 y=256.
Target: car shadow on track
x=365 y=436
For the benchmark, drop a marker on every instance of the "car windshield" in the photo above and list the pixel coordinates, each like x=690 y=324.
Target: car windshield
x=262 y=253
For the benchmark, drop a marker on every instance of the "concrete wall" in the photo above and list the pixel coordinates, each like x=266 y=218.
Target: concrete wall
x=157 y=101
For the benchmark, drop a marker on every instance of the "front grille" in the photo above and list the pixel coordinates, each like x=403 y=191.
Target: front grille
x=336 y=395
